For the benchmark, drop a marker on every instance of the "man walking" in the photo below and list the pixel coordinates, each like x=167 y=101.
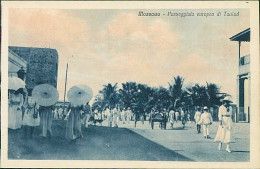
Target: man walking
x=206 y=120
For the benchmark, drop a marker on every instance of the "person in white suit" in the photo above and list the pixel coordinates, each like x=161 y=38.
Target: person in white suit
x=206 y=120
x=224 y=130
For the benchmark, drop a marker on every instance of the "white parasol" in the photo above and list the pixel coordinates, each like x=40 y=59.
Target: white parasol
x=80 y=94
x=15 y=83
x=45 y=95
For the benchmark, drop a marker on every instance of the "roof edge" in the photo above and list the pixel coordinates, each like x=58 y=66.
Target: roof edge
x=239 y=34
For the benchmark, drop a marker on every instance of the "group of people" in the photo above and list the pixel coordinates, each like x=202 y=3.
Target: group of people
x=224 y=129
x=114 y=116
x=24 y=113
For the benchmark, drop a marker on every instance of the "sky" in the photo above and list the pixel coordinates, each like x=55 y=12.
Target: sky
x=115 y=46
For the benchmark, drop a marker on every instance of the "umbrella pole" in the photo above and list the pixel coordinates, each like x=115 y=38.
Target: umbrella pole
x=65 y=88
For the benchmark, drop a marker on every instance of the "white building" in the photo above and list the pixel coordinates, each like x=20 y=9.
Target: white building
x=243 y=77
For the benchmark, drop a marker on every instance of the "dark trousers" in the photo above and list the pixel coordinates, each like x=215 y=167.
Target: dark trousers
x=198 y=128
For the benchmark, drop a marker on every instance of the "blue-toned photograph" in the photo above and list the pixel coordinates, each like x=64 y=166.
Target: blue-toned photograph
x=129 y=84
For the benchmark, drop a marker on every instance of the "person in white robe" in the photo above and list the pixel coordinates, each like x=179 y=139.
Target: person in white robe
x=15 y=103
x=171 y=117
x=224 y=129
x=109 y=117
x=123 y=117
x=115 y=116
x=197 y=119
x=177 y=116
x=128 y=115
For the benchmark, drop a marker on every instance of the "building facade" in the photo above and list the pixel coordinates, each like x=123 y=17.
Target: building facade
x=42 y=65
x=243 y=77
x=15 y=63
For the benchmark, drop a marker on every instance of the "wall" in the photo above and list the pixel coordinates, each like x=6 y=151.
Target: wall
x=42 y=65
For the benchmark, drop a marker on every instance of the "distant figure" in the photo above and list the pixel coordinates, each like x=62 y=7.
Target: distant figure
x=206 y=120
x=109 y=117
x=56 y=114
x=171 y=118
x=31 y=117
x=197 y=119
x=176 y=116
x=188 y=117
x=60 y=112
x=183 y=117
x=73 y=127
x=224 y=130
x=86 y=114
x=128 y=115
x=123 y=117
x=115 y=116
x=46 y=117
x=15 y=104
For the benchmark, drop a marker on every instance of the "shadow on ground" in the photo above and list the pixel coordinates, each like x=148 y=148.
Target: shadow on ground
x=99 y=143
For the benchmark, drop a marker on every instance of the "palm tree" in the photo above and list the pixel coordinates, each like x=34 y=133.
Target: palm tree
x=176 y=91
x=128 y=93
x=99 y=103
x=213 y=94
x=110 y=95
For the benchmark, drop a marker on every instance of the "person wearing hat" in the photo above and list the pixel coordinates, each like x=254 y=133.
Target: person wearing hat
x=206 y=120
x=224 y=130
x=197 y=119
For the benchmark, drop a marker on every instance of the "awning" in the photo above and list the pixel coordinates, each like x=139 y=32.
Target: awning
x=243 y=36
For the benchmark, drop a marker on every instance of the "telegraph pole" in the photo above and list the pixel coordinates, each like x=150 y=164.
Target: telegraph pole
x=65 y=87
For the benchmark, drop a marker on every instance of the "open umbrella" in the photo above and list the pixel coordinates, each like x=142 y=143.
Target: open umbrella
x=15 y=83
x=45 y=95
x=80 y=94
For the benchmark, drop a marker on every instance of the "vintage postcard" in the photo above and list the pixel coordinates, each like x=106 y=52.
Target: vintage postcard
x=130 y=84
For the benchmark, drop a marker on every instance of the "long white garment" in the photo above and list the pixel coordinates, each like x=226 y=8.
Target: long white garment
x=15 y=111
x=115 y=116
x=109 y=117
x=128 y=116
x=176 y=116
x=123 y=116
x=171 y=116
x=224 y=131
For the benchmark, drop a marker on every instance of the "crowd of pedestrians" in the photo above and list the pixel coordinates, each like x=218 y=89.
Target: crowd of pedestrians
x=25 y=113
